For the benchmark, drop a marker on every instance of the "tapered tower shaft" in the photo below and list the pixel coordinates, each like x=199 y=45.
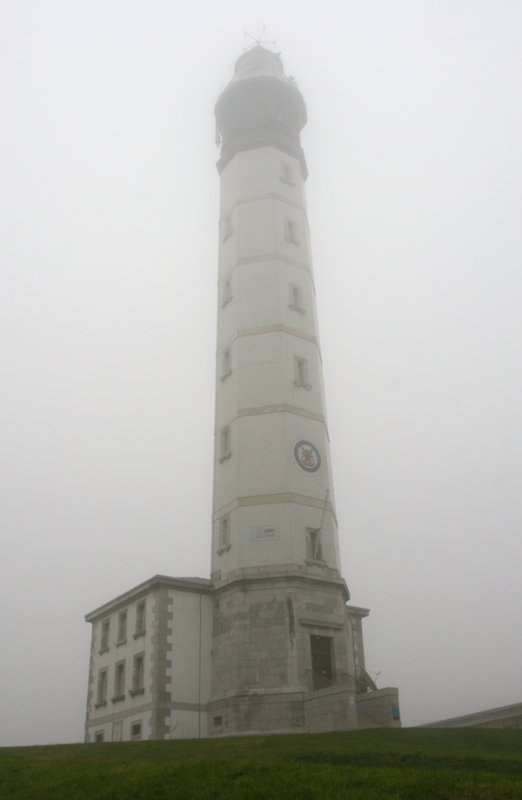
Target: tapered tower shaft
x=273 y=494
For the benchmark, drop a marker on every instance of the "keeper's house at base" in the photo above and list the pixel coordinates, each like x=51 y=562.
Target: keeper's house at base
x=268 y=644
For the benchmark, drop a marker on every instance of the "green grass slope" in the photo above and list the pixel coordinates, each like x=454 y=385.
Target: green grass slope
x=421 y=764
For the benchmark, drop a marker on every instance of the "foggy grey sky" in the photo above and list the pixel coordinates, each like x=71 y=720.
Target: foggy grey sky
x=108 y=257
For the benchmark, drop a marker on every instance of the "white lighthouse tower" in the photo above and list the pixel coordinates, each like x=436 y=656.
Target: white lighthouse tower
x=269 y=643
x=287 y=652
x=273 y=499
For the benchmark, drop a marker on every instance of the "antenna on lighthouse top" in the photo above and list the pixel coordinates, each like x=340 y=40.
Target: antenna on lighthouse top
x=258 y=40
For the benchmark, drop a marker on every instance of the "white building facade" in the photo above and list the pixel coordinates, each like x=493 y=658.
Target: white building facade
x=279 y=649
x=149 y=675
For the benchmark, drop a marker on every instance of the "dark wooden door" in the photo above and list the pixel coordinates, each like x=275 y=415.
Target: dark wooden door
x=321 y=661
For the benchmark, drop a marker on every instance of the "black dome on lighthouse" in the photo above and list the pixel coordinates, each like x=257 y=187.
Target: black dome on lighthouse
x=260 y=107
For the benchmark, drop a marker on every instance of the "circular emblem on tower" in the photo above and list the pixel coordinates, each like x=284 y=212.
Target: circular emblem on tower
x=307 y=456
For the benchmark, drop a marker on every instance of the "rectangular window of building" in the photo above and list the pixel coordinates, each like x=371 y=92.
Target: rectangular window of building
x=138 y=675
x=301 y=372
x=101 y=688
x=322 y=672
x=291 y=231
x=117 y=731
x=122 y=627
x=225 y=451
x=224 y=535
x=225 y=364
x=226 y=292
x=140 y=619
x=314 y=547
x=226 y=228
x=287 y=173
x=105 y=633
x=136 y=728
x=296 y=298
x=99 y=737
x=119 y=682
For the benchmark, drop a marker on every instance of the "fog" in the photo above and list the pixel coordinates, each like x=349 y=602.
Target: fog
x=108 y=248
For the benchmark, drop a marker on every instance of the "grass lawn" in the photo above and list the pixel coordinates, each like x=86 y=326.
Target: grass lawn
x=421 y=764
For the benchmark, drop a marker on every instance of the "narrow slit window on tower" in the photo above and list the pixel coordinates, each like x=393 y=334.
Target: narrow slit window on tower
x=291 y=231
x=225 y=364
x=296 y=298
x=314 y=549
x=101 y=689
x=225 y=443
x=301 y=373
x=138 y=675
x=287 y=173
x=226 y=294
x=226 y=228
x=224 y=535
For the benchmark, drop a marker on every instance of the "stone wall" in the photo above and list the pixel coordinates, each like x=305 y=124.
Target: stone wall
x=331 y=709
x=379 y=708
x=262 y=662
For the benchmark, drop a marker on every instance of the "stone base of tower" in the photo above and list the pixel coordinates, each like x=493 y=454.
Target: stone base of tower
x=287 y=655
x=293 y=712
x=332 y=709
